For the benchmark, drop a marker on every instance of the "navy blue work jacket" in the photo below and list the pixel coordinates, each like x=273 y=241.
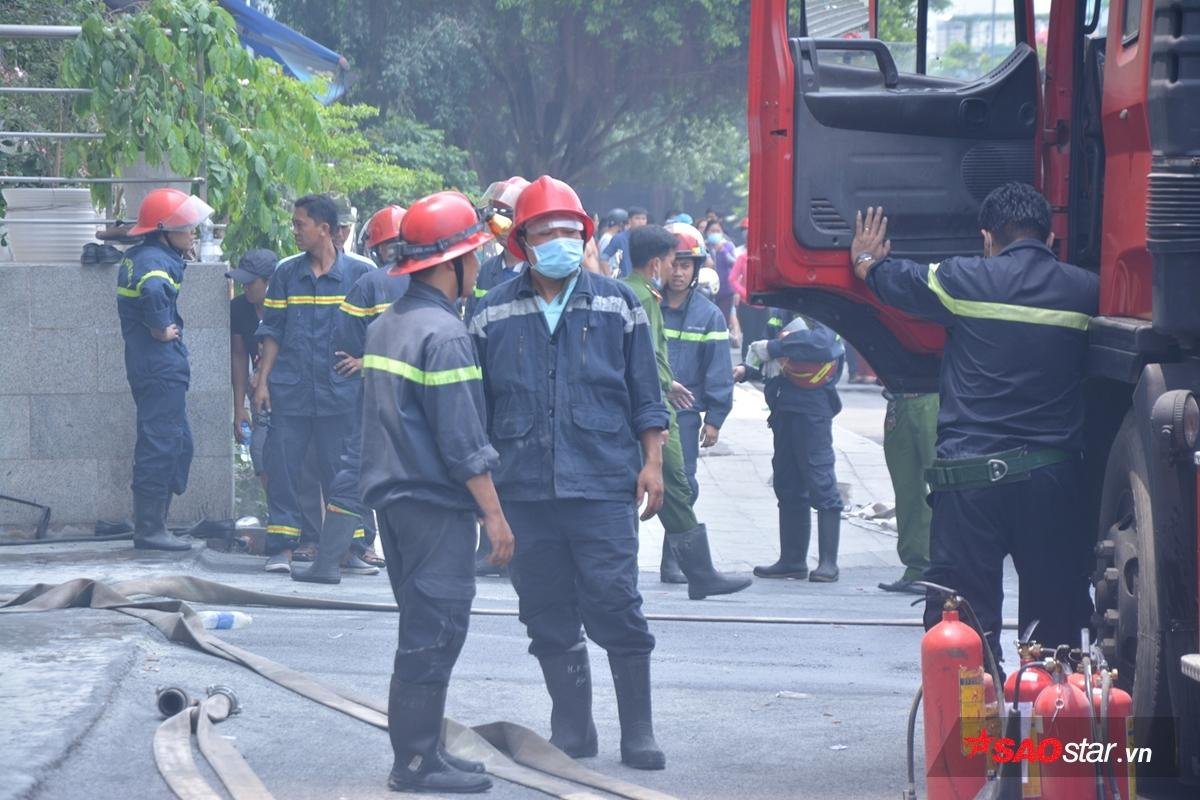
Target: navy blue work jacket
x=815 y=343
x=148 y=283
x=371 y=295
x=566 y=409
x=424 y=424
x=492 y=272
x=698 y=349
x=1016 y=342
x=301 y=313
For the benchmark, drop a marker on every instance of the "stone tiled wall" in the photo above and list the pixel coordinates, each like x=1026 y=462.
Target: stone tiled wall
x=66 y=413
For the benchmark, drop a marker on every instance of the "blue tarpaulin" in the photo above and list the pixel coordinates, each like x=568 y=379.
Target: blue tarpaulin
x=300 y=56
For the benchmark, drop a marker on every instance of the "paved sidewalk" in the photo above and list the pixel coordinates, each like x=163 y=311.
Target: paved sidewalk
x=737 y=501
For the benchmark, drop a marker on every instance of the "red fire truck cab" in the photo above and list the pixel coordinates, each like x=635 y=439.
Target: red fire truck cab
x=925 y=106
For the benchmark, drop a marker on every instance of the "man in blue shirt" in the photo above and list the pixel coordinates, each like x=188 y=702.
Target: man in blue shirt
x=309 y=402
x=1010 y=426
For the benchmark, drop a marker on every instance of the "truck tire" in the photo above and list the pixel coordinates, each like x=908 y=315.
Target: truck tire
x=1129 y=596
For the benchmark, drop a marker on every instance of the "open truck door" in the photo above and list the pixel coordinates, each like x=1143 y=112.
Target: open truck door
x=924 y=122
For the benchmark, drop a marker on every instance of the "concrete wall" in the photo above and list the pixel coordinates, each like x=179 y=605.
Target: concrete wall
x=66 y=413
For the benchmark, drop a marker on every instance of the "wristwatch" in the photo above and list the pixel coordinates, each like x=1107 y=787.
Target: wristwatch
x=863 y=258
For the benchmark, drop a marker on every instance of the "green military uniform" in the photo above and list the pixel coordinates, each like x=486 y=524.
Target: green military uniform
x=909 y=444
x=676 y=514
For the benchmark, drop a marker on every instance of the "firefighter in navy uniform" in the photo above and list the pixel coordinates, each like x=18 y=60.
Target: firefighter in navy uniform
x=1009 y=470
x=371 y=295
x=426 y=467
x=572 y=389
x=156 y=359
x=801 y=364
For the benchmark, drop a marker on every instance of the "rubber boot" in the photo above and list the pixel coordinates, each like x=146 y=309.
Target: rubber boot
x=569 y=682
x=691 y=550
x=795 y=529
x=150 y=525
x=415 y=727
x=336 y=535
x=829 y=527
x=483 y=567
x=463 y=764
x=668 y=570
x=631 y=680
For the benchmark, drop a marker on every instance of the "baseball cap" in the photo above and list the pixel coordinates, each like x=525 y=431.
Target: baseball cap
x=253 y=265
x=346 y=213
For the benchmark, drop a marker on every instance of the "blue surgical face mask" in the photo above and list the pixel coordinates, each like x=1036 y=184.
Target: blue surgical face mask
x=714 y=239
x=558 y=258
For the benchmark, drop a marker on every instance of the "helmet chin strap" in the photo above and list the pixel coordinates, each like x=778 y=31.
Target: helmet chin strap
x=458 y=275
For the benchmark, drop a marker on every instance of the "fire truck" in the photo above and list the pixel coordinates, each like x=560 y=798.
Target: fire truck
x=923 y=107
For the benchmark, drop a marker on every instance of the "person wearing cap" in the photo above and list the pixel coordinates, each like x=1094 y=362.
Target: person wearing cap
x=347 y=520
x=149 y=279
x=614 y=257
x=309 y=401
x=427 y=467
x=698 y=351
x=347 y=216
x=686 y=556
x=253 y=273
x=577 y=416
x=614 y=222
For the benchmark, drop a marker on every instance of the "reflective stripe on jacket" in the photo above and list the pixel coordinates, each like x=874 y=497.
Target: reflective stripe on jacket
x=698 y=347
x=424 y=424
x=148 y=283
x=1016 y=342
x=371 y=295
x=566 y=409
x=301 y=312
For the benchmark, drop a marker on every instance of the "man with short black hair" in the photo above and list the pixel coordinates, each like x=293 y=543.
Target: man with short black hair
x=1010 y=427
x=310 y=402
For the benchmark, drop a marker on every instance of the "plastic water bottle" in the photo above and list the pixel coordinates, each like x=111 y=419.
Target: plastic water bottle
x=224 y=620
x=244 y=448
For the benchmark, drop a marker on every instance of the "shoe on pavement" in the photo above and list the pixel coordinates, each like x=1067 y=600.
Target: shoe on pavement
x=353 y=565
x=904 y=586
x=305 y=553
x=280 y=562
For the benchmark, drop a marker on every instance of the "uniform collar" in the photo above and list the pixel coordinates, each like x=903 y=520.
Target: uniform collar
x=162 y=244
x=335 y=271
x=635 y=276
x=1022 y=244
x=419 y=290
x=583 y=283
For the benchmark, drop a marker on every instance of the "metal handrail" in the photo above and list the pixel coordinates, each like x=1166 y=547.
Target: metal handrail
x=48 y=135
x=40 y=31
x=57 y=181
x=42 y=90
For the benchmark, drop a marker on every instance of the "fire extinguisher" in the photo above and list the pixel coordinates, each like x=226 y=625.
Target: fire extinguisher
x=1113 y=707
x=1032 y=678
x=954 y=689
x=1062 y=713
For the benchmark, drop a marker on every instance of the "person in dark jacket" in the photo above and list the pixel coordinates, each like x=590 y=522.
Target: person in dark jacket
x=577 y=416
x=801 y=367
x=1009 y=467
x=346 y=519
x=698 y=347
x=310 y=403
x=427 y=467
x=156 y=359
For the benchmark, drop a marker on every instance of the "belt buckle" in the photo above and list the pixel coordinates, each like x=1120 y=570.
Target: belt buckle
x=997 y=469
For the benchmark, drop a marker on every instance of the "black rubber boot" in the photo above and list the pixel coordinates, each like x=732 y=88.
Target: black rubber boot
x=150 y=525
x=691 y=550
x=795 y=529
x=569 y=682
x=668 y=570
x=463 y=764
x=336 y=535
x=829 y=528
x=483 y=567
x=631 y=680
x=415 y=728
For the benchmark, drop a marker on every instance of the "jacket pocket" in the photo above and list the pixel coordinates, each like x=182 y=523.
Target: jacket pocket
x=597 y=419
x=512 y=426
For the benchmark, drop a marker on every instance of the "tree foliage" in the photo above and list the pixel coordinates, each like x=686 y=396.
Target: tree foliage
x=569 y=87
x=174 y=83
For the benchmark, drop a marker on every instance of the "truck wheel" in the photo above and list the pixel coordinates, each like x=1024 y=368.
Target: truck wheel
x=1128 y=593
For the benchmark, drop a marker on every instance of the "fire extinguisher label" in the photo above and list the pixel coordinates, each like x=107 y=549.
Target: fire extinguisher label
x=1031 y=770
x=970 y=703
